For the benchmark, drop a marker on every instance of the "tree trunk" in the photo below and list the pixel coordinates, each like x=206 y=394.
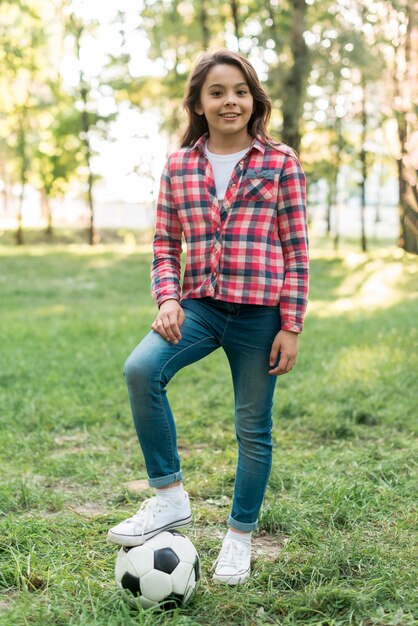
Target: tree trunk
x=235 y=19
x=337 y=228
x=377 y=217
x=90 y=177
x=330 y=204
x=404 y=88
x=46 y=213
x=92 y=230
x=295 y=83
x=203 y=19
x=334 y=209
x=363 y=160
x=6 y=193
x=21 y=148
x=19 y=232
x=85 y=127
x=49 y=229
x=335 y=203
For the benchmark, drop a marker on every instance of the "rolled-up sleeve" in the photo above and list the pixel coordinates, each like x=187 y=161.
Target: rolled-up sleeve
x=166 y=264
x=293 y=232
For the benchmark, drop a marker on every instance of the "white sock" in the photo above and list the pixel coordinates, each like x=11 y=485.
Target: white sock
x=242 y=537
x=175 y=495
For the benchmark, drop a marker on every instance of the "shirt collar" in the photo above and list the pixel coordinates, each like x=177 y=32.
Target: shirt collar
x=257 y=144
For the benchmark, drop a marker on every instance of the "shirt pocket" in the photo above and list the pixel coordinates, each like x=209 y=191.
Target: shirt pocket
x=259 y=185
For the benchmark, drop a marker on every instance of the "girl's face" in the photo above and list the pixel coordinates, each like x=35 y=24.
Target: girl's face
x=227 y=103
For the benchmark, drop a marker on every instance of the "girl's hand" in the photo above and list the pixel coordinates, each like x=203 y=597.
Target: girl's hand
x=285 y=342
x=169 y=320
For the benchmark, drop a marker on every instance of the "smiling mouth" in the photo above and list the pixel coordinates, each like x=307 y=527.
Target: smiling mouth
x=230 y=116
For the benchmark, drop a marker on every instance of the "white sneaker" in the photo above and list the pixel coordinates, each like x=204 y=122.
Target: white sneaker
x=233 y=565
x=155 y=515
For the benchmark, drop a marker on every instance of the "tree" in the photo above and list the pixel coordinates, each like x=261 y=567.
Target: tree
x=90 y=121
x=177 y=33
x=294 y=88
x=23 y=65
x=404 y=60
x=58 y=156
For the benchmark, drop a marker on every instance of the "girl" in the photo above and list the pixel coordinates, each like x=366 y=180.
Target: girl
x=239 y=200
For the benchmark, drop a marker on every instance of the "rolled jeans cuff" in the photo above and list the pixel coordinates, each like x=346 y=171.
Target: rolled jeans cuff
x=164 y=481
x=244 y=527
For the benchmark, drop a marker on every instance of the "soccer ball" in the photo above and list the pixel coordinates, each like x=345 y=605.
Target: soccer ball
x=164 y=570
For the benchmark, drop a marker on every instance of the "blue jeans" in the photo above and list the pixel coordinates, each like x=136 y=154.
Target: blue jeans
x=246 y=333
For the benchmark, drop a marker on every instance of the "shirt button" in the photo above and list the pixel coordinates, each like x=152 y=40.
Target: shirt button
x=234 y=185
x=226 y=205
x=216 y=251
x=218 y=230
x=241 y=163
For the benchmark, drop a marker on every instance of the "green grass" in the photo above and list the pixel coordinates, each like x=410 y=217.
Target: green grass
x=336 y=540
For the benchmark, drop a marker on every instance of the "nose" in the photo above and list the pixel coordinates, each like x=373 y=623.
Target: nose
x=230 y=100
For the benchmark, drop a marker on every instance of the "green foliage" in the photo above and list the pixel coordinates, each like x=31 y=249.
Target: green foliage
x=58 y=155
x=349 y=52
x=336 y=541
x=23 y=67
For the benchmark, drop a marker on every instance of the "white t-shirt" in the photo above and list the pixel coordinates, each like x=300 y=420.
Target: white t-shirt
x=223 y=165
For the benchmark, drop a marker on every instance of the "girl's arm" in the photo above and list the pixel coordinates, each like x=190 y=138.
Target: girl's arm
x=165 y=269
x=293 y=231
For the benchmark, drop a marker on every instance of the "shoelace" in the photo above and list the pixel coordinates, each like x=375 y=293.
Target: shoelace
x=144 y=517
x=230 y=554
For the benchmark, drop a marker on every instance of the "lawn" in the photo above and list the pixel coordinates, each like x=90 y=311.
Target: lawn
x=335 y=544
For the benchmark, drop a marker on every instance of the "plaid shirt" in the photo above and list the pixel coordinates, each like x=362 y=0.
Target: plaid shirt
x=250 y=248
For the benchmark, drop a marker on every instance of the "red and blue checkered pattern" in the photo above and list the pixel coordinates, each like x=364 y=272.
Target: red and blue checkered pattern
x=250 y=248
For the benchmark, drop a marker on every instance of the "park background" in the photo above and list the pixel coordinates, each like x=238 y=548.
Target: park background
x=90 y=106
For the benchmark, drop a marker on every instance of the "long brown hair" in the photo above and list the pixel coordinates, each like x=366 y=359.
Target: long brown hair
x=197 y=124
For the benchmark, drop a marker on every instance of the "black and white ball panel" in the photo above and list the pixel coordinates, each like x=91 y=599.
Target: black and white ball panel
x=165 y=569
x=124 y=566
x=182 y=577
x=165 y=560
x=131 y=582
x=141 y=559
x=184 y=549
x=156 y=585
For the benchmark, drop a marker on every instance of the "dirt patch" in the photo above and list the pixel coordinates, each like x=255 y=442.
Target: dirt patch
x=63 y=486
x=88 y=510
x=211 y=532
x=60 y=452
x=6 y=601
x=78 y=438
x=265 y=547
x=185 y=451
x=41 y=515
x=268 y=547
x=137 y=485
x=220 y=502
x=64 y=451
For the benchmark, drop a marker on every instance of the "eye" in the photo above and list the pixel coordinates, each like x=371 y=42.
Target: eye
x=242 y=92
x=215 y=93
